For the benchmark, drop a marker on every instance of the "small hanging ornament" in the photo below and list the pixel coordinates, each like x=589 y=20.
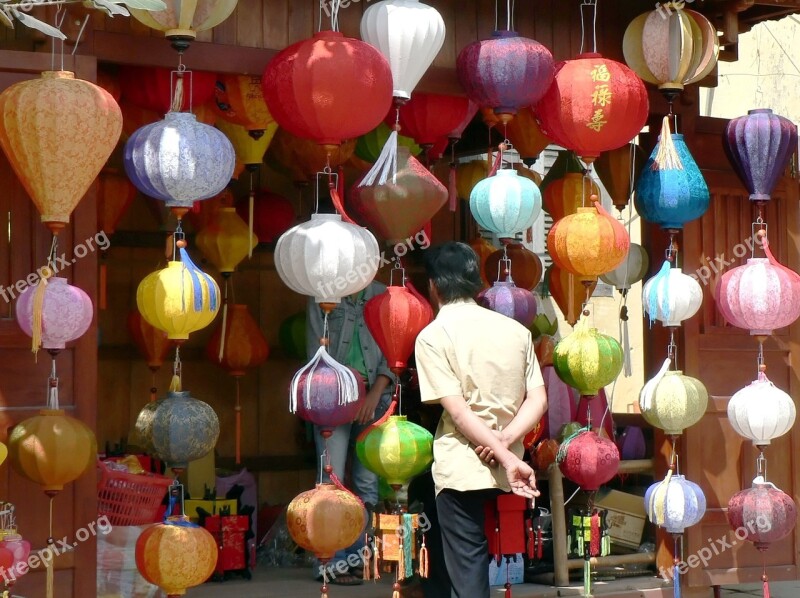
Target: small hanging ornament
x=672 y=401
x=671 y=296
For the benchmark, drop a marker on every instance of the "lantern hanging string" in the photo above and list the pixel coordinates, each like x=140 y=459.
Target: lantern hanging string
x=177 y=372
x=58 y=21
x=591 y=5
x=224 y=324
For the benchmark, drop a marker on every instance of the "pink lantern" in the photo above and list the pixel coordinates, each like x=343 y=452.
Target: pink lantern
x=20 y=550
x=562 y=401
x=66 y=313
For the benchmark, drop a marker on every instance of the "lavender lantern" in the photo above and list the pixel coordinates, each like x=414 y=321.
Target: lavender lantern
x=66 y=313
x=508 y=299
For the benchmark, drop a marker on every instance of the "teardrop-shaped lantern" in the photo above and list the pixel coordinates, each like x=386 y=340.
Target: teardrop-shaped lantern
x=526 y=135
x=58 y=132
x=566 y=162
x=630 y=271
x=672 y=401
x=225 y=241
x=671 y=296
x=763 y=514
x=525 y=267
x=397 y=450
x=568 y=292
x=619 y=172
x=675 y=503
x=114 y=196
x=152 y=343
x=239 y=99
x=563 y=196
x=244 y=346
x=588 y=460
x=587 y=359
x=761 y=411
x=64 y=314
x=508 y=299
x=182 y=20
x=506 y=203
x=468 y=175
x=273 y=215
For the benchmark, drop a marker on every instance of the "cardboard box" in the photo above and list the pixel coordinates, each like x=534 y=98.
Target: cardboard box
x=515 y=569
x=625 y=519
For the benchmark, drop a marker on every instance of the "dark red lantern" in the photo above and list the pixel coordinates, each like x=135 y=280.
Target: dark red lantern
x=525 y=266
x=594 y=105
x=588 y=460
x=273 y=215
x=151 y=88
x=762 y=514
x=329 y=88
x=319 y=397
x=427 y=117
x=394 y=319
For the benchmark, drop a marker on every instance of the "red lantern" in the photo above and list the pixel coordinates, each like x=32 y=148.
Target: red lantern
x=525 y=266
x=151 y=88
x=273 y=215
x=594 y=105
x=545 y=454
x=328 y=88
x=589 y=460
x=394 y=319
x=115 y=194
x=532 y=437
x=152 y=343
x=428 y=116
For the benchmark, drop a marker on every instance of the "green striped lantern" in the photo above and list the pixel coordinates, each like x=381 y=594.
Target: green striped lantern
x=673 y=401
x=397 y=450
x=587 y=359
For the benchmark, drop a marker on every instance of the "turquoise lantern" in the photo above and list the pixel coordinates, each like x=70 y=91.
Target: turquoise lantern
x=506 y=203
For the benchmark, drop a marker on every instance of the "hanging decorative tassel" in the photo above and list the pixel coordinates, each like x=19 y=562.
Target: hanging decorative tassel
x=659 y=287
x=367 y=575
x=52 y=553
x=498 y=161
x=424 y=565
x=624 y=337
x=324 y=581
x=348 y=386
x=396 y=590
x=38 y=309
x=408 y=547
x=376 y=560
x=676 y=573
x=646 y=396
x=595 y=535
x=764 y=578
x=386 y=164
x=238 y=410
x=177 y=98
x=667 y=157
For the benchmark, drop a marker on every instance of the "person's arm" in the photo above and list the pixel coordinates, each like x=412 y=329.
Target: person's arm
x=532 y=410
x=367 y=411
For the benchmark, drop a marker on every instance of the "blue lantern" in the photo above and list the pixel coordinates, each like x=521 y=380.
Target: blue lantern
x=179 y=160
x=671 y=197
x=675 y=503
x=506 y=203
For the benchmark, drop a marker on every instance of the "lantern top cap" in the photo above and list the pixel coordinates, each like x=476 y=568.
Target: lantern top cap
x=760 y=111
x=171 y=115
x=319 y=216
x=589 y=55
x=179 y=394
x=505 y=33
x=58 y=75
x=327 y=33
x=53 y=412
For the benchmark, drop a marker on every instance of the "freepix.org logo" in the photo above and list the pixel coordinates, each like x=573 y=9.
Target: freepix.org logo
x=666 y=9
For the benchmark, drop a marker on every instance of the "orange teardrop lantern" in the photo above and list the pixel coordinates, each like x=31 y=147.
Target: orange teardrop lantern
x=226 y=240
x=616 y=168
x=528 y=173
x=526 y=136
x=565 y=195
x=483 y=248
x=152 y=343
x=568 y=292
x=58 y=132
x=525 y=266
x=115 y=195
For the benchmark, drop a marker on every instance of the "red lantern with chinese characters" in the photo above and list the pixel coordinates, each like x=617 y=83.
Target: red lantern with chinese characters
x=151 y=88
x=427 y=117
x=594 y=105
x=588 y=460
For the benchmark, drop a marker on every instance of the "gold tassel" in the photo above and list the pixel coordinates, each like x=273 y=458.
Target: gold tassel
x=401 y=563
x=423 y=560
x=376 y=563
x=177 y=99
x=175 y=384
x=38 y=310
x=667 y=157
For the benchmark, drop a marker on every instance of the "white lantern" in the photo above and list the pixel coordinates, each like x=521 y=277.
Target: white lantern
x=326 y=258
x=672 y=296
x=629 y=272
x=761 y=411
x=506 y=203
x=409 y=34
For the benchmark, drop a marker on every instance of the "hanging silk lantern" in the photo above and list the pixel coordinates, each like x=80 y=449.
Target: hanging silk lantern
x=182 y=20
x=671 y=296
x=588 y=460
x=244 y=346
x=672 y=401
x=619 y=172
x=671 y=197
x=179 y=160
x=525 y=266
x=203 y=213
x=671 y=50
x=483 y=248
x=239 y=99
x=396 y=450
x=152 y=89
x=428 y=117
x=631 y=444
x=179 y=299
x=152 y=343
x=226 y=240
x=675 y=503
x=506 y=203
x=249 y=151
x=562 y=402
x=528 y=173
x=20 y=550
x=588 y=243
x=543 y=325
x=587 y=359
x=568 y=292
x=563 y=196
x=505 y=73
x=114 y=197
x=468 y=175
x=318 y=258
x=64 y=314
x=176 y=555
x=594 y=105
x=630 y=271
x=759 y=147
x=328 y=88
x=273 y=215
x=508 y=299
x=369 y=145
x=58 y=132
x=761 y=411
x=458 y=131
x=526 y=135
x=399 y=209
x=303 y=158
x=566 y=162
x=771 y=510
x=394 y=319
x=544 y=455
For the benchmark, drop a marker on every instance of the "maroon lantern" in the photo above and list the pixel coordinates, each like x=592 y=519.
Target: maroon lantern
x=273 y=215
x=318 y=399
x=588 y=460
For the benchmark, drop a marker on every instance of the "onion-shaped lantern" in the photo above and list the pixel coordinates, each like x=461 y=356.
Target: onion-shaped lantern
x=302 y=158
x=239 y=99
x=226 y=240
x=763 y=514
x=568 y=291
x=182 y=20
x=525 y=267
x=588 y=460
x=506 y=203
x=58 y=132
x=759 y=147
x=320 y=257
x=672 y=296
x=508 y=299
x=428 y=117
x=176 y=555
x=273 y=215
x=397 y=450
x=631 y=443
x=672 y=401
x=152 y=343
x=468 y=175
x=761 y=411
x=619 y=172
x=587 y=359
x=563 y=196
x=526 y=135
x=675 y=503
x=153 y=90
x=630 y=271
x=369 y=145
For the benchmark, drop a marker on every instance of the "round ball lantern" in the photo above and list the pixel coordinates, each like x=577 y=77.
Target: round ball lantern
x=508 y=299
x=468 y=175
x=761 y=411
x=525 y=268
x=506 y=203
x=672 y=401
x=630 y=271
x=273 y=215
x=672 y=296
x=225 y=241
x=594 y=105
x=759 y=147
x=764 y=513
x=318 y=258
x=182 y=20
x=563 y=196
x=64 y=314
x=588 y=460
x=675 y=503
x=328 y=88
x=239 y=99
x=176 y=555
x=505 y=73
x=20 y=551
x=184 y=429
x=179 y=160
x=397 y=450
x=153 y=89
x=587 y=359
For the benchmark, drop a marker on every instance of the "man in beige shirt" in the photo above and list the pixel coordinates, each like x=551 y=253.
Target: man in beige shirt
x=481 y=367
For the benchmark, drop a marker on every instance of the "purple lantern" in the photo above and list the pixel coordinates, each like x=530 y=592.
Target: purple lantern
x=506 y=72
x=66 y=313
x=759 y=146
x=631 y=444
x=508 y=299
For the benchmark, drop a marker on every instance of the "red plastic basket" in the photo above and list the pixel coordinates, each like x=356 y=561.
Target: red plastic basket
x=129 y=498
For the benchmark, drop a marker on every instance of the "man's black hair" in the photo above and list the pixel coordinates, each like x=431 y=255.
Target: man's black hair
x=454 y=269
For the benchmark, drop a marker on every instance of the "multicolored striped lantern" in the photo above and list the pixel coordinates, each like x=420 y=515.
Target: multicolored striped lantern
x=619 y=172
x=239 y=99
x=396 y=450
x=563 y=196
x=524 y=268
x=508 y=299
x=759 y=147
x=587 y=359
x=672 y=401
x=630 y=271
x=568 y=292
x=588 y=460
x=761 y=411
x=675 y=503
x=671 y=296
x=506 y=203
x=182 y=20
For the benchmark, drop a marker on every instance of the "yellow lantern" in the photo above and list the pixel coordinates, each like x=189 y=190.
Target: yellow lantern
x=240 y=100
x=58 y=132
x=563 y=196
x=182 y=19
x=468 y=175
x=673 y=401
x=249 y=150
x=226 y=240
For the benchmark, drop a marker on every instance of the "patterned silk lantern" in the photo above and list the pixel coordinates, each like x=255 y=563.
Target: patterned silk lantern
x=630 y=271
x=20 y=550
x=369 y=145
x=182 y=20
x=468 y=175
x=302 y=158
x=619 y=172
x=508 y=299
x=273 y=215
x=764 y=513
x=153 y=89
x=314 y=257
x=152 y=343
x=568 y=292
x=587 y=359
x=588 y=460
x=57 y=133
x=566 y=162
x=526 y=135
x=394 y=319
x=761 y=411
x=525 y=267
x=759 y=147
x=176 y=555
x=226 y=240
x=400 y=208
x=594 y=105
x=505 y=73
x=671 y=197
x=506 y=203
x=427 y=117
x=588 y=243
x=563 y=196
x=671 y=296
x=328 y=88
x=675 y=503
x=673 y=402
x=114 y=196
x=631 y=443
x=239 y=99
x=64 y=314
x=249 y=150
x=409 y=34
x=397 y=450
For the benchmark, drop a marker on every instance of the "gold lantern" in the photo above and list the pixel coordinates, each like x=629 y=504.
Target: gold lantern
x=673 y=401
x=226 y=240
x=250 y=150
x=240 y=100
x=183 y=19
x=468 y=175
